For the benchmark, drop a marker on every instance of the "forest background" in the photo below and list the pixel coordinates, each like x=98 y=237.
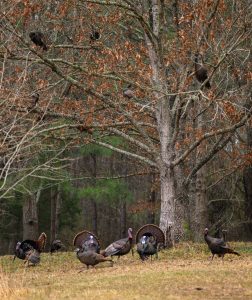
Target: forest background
x=110 y=128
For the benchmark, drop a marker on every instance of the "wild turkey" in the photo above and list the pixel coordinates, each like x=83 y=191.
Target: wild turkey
x=38 y=39
x=88 y=247
x=35 y=98
x=128 y=92
x=29 y=249
x=95 y=34
x=149 y=239
x=56 y=245
x=87 y=240
x=147 y=246
x=33 y=257
x=90 y=257
x=141 y=247
x=218 y=246
x=201 y=72
x=120 y=247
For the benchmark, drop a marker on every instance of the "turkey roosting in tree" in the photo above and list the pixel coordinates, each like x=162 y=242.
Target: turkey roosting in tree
x=120 y=247
x=94 y=34
x=149 y=238
x=30 y=250
x=201 y=71
x=56 y=245
x=38 y=39
x=218 y=246
x=35 y=98
x=128 y=93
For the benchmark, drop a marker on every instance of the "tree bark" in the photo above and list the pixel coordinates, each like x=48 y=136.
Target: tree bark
x=201 y=215
x=55 y=213
x=167 y=206
x=94 y=204
x=152 y=200
x=247 y=182
x=123 y=219
x=30 y=218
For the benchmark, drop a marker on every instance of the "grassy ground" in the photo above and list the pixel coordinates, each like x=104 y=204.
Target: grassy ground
x=184 y=272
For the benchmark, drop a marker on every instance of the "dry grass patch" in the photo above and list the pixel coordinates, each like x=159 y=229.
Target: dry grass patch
x=180 y=273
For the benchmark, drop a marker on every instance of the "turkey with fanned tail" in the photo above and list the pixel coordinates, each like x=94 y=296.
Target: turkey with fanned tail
x=88 y=248
x=30 y=250
x=149 y=239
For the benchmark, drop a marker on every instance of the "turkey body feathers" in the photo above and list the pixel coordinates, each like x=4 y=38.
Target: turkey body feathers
x=201 y=72
x=147 y=246
x=25 y=248
x=38 y=39
x=91 y=244
x=120 y=247
x=90 y=258
x=218 y=246
x=56 y=245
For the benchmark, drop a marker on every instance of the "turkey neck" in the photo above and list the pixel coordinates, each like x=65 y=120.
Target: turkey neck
x=207 y=239
x=196 y=62
x=130 y=236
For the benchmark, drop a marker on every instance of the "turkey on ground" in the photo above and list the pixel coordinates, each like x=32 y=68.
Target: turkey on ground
x=56 y=245
x=91 y=244
x=149 y=239
x=32 y=257
x=120 y=247
x=218 y=246
x=29 y=249
x=87 y=240
x=147 y=246
x=90 y=257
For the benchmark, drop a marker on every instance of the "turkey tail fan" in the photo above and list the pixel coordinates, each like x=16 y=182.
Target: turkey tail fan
x=42 y=242
x=83 y=236
x=151 y=230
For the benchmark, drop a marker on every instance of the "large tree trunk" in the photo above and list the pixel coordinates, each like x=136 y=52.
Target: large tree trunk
x=55 y=213
x=94 y=204
x=30 y=218
x=247 y=182
x=152 y=199
x=201 y=214
x=123 y=219
x=167 y=209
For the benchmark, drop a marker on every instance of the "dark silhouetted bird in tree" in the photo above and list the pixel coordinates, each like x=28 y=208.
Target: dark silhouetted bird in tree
x=218 y=246
x=38 y=39
x=201 y=71
x=35 y=98
x=128 y=92
x=94 y=34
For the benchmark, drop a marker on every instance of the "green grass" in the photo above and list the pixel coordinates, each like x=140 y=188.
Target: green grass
x=183 y=272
